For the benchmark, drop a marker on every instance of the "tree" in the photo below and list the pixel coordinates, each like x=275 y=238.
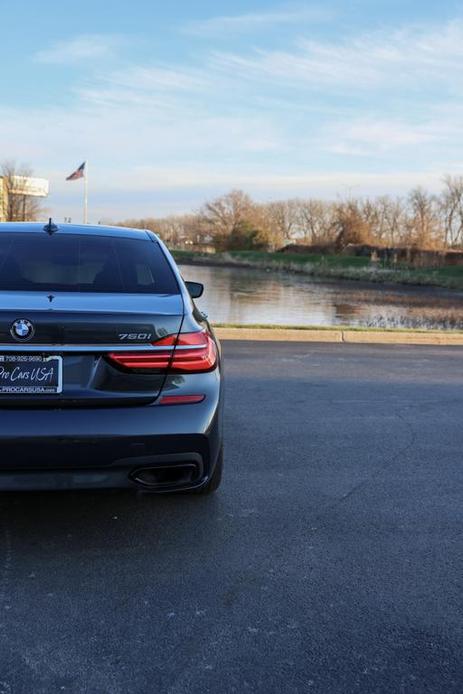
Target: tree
x=230 y=218
x=283 y=216
x=176 y=230
x=386 y=218
x=316 y=219
x=451 y=205
x=423 y=221
x=351 y=226
x=394 y=219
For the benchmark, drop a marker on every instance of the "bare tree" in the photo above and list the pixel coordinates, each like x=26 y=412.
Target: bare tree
x=351 y=225
x=231 y=218
x=423 y=224
x=451 y=205
x=394 y=219
x=284 y=217
x=179 y=231
x=386 y=218
x=225 y=213
x=316 y=220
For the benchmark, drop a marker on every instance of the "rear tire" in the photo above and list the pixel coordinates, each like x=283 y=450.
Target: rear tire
x=214 y=482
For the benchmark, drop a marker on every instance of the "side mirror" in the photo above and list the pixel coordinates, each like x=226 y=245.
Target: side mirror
x=196 y=289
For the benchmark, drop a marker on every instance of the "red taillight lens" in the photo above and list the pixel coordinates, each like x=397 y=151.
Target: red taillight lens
x=151 y=361
x=193 y=353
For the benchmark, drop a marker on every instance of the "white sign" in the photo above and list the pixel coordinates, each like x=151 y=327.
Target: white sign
x=25 y=185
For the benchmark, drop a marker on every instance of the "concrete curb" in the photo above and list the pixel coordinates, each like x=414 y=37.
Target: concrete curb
x=377 y=337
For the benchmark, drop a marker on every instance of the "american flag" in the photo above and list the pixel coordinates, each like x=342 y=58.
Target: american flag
x=78 y=173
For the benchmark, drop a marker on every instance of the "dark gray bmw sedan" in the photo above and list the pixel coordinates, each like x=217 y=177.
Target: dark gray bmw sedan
x=109 y=374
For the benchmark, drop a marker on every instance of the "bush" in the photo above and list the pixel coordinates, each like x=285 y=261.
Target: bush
x=351 y=225
x=244 y=236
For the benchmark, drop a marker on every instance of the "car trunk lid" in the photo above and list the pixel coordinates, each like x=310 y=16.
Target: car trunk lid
x=82 y=329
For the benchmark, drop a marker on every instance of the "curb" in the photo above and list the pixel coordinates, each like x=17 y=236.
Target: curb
x=386 y=337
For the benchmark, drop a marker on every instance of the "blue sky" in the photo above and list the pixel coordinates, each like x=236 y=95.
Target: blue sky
x=176 y=102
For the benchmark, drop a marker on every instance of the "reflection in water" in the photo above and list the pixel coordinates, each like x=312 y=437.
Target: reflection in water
x=242 y=295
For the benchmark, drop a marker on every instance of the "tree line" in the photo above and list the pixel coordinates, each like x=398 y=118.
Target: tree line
x=236 y=222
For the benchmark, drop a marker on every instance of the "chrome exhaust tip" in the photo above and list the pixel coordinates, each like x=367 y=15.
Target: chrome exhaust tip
x=162 y=476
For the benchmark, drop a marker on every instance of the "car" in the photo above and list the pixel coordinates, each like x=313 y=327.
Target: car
x=110 y=376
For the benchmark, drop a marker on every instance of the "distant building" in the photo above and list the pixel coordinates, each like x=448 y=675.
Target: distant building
x=3 y=200
x=21 y=188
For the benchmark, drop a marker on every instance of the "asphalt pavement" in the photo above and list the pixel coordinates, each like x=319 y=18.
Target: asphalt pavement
x=331 y=560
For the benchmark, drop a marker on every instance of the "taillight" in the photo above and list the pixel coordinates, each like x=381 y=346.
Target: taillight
x=191 y=353
x=142 y=361
x=195 y=352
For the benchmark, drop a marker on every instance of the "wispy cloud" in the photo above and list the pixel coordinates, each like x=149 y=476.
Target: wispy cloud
x=78 y=49
x=394 y=58
x=155 y=87
x=157 y=77
x=254 y=21
x=369 y=136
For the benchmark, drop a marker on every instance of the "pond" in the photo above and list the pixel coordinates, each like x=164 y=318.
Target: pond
x=244 y=295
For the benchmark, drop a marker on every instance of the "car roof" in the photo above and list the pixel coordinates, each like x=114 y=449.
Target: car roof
x=84 y=229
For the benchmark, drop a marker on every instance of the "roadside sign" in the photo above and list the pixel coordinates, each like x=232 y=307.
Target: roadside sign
x=25 y=185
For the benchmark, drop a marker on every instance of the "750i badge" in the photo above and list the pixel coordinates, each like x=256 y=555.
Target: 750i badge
x=140 y=337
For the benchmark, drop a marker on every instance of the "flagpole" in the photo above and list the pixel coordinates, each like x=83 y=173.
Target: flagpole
x=86 y=193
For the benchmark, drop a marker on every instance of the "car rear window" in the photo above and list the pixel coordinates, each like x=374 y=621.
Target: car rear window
x=81 y=263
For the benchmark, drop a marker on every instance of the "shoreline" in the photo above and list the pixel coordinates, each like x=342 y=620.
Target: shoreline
x=359 y=270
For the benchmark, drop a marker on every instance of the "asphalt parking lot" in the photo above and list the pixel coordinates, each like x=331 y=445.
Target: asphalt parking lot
x=330 y=561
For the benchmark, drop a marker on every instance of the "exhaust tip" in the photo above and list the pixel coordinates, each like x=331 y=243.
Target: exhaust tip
x=166 y=476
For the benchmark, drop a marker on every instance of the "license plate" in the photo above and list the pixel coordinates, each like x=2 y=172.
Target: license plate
x=30 y=374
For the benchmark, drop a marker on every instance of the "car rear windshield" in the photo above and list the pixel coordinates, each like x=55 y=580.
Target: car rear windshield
x=81 y=263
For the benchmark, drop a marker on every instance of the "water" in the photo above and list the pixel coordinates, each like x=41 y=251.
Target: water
x=242 y=295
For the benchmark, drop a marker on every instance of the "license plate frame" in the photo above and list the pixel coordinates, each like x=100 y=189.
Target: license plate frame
x=31 y=374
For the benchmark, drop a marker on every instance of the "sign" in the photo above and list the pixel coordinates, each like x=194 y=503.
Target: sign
x=25 y=185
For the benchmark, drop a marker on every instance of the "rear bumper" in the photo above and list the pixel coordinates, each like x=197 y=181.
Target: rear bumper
x=112 y=477
x=104 y=448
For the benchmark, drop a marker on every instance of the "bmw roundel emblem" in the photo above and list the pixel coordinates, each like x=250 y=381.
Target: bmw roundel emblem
x=22 y=330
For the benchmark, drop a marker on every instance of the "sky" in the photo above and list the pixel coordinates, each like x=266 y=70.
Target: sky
x=174 y=103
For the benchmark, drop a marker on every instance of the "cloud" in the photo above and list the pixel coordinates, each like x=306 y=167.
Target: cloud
x=154 y=78
x=160 y=88
x=370 y=136
x=84 y=48
x=325 y=184
x=412 y=56
x=255 y=21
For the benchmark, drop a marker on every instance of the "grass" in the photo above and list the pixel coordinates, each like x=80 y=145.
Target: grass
x=264 y=258
x=331 y=267
x=301 y=259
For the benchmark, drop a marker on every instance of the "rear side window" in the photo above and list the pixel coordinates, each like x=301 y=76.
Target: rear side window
x=81 y=263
